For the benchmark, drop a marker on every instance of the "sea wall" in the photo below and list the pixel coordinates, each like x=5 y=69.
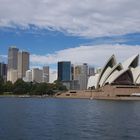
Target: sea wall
x=118 y=92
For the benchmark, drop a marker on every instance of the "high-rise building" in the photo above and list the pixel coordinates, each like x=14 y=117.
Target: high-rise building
x=72 y=72
x=71 y=85
x=34 y=75
x=12 y=58
x=23 y=63
x=91 y=71
x=46 y=74
x=64 y=71
x=3 y=71
x=37 y=75
x=12 y=64
x=12 y=75
x=28 y=77
x=18 y=64
x=81 y=74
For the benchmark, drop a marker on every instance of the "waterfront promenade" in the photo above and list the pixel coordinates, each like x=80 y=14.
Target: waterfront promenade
x=93 y=94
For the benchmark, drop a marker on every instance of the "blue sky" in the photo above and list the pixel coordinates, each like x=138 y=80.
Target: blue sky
x=43 y=41
x=38 y=42
x=52 y=30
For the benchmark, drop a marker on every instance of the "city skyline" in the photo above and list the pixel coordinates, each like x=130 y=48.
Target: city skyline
x=18 y=66
x=65 y=31
x=69 y=69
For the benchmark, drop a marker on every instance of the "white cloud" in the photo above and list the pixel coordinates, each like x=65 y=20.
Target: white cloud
x=93 y=55
x=3 y=58
x=89 y=18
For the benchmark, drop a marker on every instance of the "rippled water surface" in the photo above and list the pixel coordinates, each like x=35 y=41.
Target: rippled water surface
x=68 y=119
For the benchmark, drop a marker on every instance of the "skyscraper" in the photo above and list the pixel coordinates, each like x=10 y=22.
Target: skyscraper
x=3 y=70
x=12 y=75
x=18 y=64
x=91 y=71
x=12 y=58
x=23 y=63
x=37 y=75
x=28 y=77
x=46 y=74
x=72 y=72
x=12 y=64
x=81 y=74
x=64 y=71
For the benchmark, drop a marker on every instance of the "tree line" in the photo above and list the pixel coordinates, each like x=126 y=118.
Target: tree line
x=21 y=87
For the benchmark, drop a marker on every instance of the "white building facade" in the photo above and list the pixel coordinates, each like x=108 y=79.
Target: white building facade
x=81 y=74
x=34 y=75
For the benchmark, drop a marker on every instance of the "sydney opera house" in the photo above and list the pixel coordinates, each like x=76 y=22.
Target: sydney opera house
x=117 y=79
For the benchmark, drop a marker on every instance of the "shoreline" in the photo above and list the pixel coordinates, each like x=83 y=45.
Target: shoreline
x=24 y=96
x=101 y=98
x=77 y=95
x=100 y=95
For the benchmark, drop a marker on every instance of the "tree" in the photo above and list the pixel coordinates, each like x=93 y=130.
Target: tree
x=41 y=89
x=8 y=86
x=1 y=85
x=50 y=92
x=21 y=87
x=59 y=86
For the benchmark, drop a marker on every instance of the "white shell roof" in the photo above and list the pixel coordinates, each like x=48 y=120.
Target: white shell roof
x=126 y=64
x=111 y=77
x=92 y=81
x=135 y=73
x=111 y=71
x=108 y=70
x=116 y=74
x=113 y=62
x=116 y=68
x=138 y=80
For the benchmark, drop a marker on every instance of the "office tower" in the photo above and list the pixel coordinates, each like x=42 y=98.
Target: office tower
x=3 y=71
x=12 y=64
x=46 y=74
x=81 y=74
x=37 y=75
x=23 y=63
x=28 y=77
x=72 y=84
x=64 y=71
x=91 y=71
x=12 y=75
x=72 y=72
x=12 y=58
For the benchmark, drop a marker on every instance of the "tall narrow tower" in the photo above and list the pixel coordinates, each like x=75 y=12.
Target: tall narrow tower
x=46 y=74
x=64 y=71
x=81 y=74
x=12 y=64
x=12 y=58
x=23 y=63
x=3 y=70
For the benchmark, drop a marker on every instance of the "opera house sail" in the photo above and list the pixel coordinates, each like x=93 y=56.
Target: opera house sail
x=117 y=77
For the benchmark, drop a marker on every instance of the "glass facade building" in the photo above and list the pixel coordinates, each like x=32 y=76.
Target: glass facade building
x=64 y=71
x=3 y=70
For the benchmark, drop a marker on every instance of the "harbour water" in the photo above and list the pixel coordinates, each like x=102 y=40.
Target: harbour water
x=68 y=119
